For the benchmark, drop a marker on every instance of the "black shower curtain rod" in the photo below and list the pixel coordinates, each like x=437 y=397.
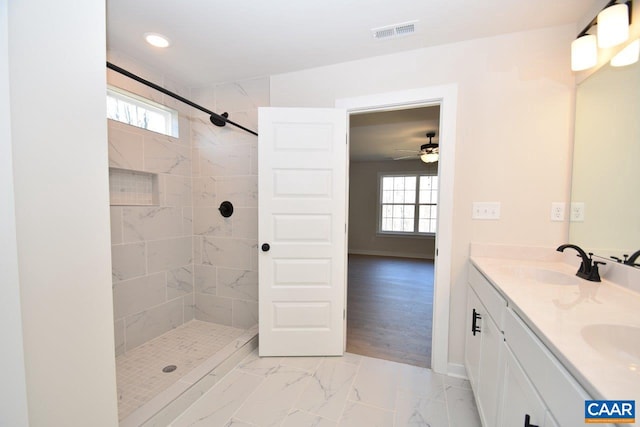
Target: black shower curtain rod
x=216 y=119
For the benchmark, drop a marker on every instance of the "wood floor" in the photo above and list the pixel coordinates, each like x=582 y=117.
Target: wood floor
x=389 y=308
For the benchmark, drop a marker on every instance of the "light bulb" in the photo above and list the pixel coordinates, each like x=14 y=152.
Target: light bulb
x=157 y=40
x=584 y=53
x=627 y=56
x=429 y=157
x=613 y=25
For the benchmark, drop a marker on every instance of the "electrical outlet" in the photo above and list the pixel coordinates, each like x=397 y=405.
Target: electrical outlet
x=557 y=211
x=486 y=210
x=577 y=212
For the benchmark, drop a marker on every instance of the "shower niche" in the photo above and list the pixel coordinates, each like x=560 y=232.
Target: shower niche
x=133 y=188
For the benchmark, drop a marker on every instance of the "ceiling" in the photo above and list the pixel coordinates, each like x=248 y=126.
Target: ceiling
x=384 y=135
x=216 y=42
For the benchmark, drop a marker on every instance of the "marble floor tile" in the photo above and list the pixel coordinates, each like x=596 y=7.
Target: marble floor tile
x=462 y=408
x=416 y=411
x=297 y=418
x=348 y=391
x=259 y=365
x=422 y=382
x=376 y=383
x=457 y=382
x=217 y=405
x=309 y=364
x=359 y=415
x=352 y=359
x=238 y=423
x=272 y=400
x=328 y=389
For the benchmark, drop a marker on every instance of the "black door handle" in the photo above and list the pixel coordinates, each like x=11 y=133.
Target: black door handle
x=527 y=418
x=265 y=247
x=474 y=322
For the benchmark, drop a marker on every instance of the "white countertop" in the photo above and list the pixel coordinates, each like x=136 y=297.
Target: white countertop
x=567 y=316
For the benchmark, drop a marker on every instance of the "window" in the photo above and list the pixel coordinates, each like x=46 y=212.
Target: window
x=136 y=111
x=408 y=204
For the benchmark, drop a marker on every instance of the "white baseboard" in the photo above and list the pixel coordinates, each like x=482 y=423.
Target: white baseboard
x=390 y=254
x=456 y=370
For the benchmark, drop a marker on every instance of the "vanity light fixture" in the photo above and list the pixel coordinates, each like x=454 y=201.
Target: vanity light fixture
x=612 y=27
x=627 y=56
x=157 y=40
x=584 y=52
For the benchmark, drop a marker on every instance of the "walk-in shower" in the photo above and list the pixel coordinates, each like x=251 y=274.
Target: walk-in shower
x=184 y=250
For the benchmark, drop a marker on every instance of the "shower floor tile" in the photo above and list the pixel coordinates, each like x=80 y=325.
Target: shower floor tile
x=139 y=373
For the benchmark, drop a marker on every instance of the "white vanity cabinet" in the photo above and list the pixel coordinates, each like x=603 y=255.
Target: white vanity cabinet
x=516 y=380
x=520 y=405
x=563 y=396
x=485 y=308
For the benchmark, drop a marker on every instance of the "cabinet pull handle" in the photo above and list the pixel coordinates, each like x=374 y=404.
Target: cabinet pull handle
x=474 y=323
x=527 y=418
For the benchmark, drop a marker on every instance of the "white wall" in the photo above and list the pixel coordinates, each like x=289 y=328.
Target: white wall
x=364 y=198
x=514 y=132
x=13 y=394
x=59 y=141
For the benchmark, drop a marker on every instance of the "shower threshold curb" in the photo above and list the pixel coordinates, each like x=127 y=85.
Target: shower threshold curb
x=169 y=404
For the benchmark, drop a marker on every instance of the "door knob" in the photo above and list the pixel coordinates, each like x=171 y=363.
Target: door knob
x=265 y=247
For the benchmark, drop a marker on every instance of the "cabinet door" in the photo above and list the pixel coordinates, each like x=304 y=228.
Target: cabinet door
x=472 y=340
x=520 y=404
x=491 y=370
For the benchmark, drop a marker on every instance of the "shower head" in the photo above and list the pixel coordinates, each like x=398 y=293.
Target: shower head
x=219 y=119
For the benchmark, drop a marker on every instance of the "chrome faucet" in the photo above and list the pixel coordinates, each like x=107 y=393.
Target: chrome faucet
x=588 y=268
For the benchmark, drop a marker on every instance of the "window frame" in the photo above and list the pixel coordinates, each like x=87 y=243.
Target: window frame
x=171 y=115
x=416 y=205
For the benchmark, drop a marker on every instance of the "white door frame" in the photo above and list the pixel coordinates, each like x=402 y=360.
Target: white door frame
x=447 y=97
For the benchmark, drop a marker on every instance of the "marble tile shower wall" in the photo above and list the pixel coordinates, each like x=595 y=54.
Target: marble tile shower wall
x=152 y=246
x=225 y=168
x=182 y=260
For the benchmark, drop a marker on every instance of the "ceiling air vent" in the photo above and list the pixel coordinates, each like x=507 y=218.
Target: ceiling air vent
x=394 y=31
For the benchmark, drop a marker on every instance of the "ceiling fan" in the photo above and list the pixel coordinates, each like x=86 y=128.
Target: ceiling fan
x=428 y=153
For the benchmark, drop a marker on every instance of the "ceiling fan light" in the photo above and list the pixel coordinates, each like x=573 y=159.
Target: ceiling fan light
x=429 y=157
x=613 y=25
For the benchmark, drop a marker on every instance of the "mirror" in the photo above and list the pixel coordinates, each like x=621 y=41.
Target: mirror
x=606 y=163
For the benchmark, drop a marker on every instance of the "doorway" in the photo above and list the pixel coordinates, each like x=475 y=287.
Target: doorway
x=392 y=224
x=447 y=97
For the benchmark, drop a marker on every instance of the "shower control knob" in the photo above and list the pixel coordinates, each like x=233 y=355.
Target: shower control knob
x=265 y=247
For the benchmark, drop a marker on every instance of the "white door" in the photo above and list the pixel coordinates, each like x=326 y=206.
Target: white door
x=302 y=163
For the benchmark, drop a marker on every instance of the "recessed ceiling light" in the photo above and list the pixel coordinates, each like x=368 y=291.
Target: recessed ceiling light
x=157 y=40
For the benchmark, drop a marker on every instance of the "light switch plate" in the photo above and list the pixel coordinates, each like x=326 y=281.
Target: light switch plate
x=486 y=210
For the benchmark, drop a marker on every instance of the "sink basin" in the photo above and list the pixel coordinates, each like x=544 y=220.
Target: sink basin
x=618 y=343
x=543 y=275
